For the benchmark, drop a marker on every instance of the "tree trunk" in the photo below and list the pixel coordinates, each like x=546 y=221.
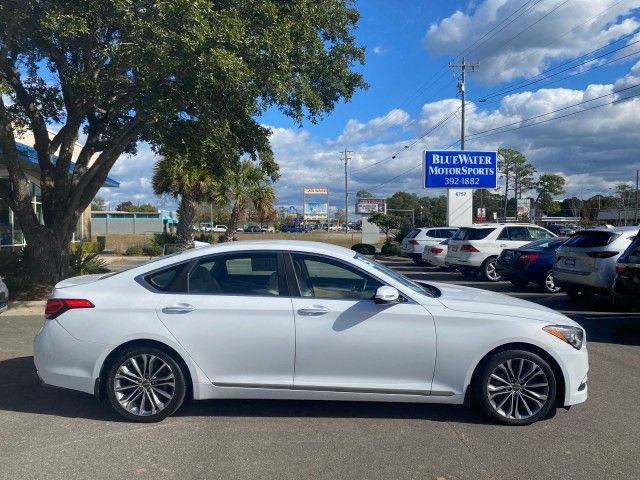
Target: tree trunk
x=233 y=223
x=186 y=219
x=48 y=256
x=506 y=193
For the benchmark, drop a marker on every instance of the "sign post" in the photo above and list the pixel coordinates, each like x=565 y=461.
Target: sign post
x=460 y=171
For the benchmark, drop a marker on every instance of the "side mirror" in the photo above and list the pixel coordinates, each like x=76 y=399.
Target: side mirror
x=386 y=294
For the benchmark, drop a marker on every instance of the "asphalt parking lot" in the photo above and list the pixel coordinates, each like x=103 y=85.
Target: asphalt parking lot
x=47 y=433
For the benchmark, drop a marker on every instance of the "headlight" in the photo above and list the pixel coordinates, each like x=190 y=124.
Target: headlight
x=574 y=336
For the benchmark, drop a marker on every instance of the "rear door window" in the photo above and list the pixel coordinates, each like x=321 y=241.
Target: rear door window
x=539 y=233
x=590 y=239
x=413 y=233
x=472 y=233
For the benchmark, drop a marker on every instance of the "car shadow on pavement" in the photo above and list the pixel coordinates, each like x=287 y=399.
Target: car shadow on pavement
x=22 y=391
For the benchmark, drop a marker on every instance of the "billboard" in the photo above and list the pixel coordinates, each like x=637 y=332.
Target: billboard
x=523 y=207
x=459 y=169
x=369 y=206
x=316 y=191
x=316 y=211
x=315 y=204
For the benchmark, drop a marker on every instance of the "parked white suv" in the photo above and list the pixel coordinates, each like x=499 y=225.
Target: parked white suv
x=475 y=249
x=586 y=263
x=417 y=239
x=219 y=229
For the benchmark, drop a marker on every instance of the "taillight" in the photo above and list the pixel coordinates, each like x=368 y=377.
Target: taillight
x=413 y=242
x=436 y=250
x=57 y=306
x=468 y=248
x=620 y=268
x=528 y=257
x=602 y=254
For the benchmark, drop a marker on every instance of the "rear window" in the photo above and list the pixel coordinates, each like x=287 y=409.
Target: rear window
x=590 y=239
x=413 y=233
x=472 y=233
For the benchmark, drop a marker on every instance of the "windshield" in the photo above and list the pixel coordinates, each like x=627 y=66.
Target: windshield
x=416 y=287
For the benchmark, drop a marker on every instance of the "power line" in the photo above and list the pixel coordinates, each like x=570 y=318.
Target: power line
x=553 y=10
x=486 y=133
x=439 y=124
x=546 y=75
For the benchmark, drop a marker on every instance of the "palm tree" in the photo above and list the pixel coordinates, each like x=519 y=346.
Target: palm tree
x=246 y=185
x=181 y=177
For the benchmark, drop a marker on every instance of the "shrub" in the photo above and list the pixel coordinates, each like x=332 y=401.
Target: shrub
x=161 y=239
x=86 y=247
x=364 y=248
x=402 y=232
x=390 y=249
x=134 y=250
x=84 y=261
x=153 y=250
x=14 y=268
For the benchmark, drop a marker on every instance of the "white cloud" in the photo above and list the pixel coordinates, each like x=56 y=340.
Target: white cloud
x=523 y=41
x=379 y=50
x=380 y=127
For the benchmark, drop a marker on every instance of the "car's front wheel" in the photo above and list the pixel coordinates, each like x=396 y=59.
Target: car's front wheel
x=145 y=384
x=515 y=387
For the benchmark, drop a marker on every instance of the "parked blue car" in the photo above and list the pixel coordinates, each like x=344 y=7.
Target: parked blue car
x=294 y=229
x=532 y=262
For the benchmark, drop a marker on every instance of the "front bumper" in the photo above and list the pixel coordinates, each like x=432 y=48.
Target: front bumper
x=64 y=361
x=576 y=368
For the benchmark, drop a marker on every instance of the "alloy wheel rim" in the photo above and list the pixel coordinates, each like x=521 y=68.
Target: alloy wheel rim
x=550 y=284
x=518 y=389
x=491 y=271
x=144 y=385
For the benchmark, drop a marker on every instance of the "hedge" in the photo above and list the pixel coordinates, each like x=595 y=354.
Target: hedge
x=364 y=248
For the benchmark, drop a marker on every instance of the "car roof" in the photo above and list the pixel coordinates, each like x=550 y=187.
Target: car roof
x=614 y=230
x=504 y=224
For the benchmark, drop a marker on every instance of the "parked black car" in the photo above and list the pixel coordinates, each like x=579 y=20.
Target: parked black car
x=532 y=262
x=252 y=229
x=626 y=286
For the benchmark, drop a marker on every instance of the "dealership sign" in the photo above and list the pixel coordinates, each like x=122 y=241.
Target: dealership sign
x=460 y=169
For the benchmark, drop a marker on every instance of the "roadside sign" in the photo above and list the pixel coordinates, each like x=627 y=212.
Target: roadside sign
x=369 y=206
x=459 y=169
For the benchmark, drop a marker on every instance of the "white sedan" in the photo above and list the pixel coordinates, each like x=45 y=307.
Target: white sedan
x=303 y=320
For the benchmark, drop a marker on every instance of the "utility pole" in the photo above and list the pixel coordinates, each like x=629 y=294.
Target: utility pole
x=346 y=159
x=460 y=201
x=461 y=89
x=637 y=181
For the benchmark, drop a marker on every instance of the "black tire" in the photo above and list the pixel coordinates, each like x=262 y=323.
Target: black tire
x=519 y=282
x=178 y=390
x=481 y=386
x=579 y=295
x=488 y=266
x=546 y=283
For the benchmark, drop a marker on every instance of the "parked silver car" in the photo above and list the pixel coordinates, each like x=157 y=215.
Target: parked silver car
x=586 y=262
x=4 y=296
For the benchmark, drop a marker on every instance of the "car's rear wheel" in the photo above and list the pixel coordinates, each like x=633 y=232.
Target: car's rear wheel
x=547 y=283
x=515 y=387
x=488 y=270
x=579 y=295
x=145 y=384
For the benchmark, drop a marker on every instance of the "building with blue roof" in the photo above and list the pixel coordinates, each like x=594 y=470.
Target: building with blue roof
x=10 y=233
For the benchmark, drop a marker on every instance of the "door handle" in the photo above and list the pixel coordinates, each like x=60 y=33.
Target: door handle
x=313 y=311
x=179 y=308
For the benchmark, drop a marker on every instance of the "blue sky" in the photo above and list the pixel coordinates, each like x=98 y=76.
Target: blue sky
x=411 y=89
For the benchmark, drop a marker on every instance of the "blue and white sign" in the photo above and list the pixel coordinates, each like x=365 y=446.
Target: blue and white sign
x=460 y=169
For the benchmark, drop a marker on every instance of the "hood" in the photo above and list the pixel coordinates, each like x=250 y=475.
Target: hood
x=475 y=300
x=81 y=280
